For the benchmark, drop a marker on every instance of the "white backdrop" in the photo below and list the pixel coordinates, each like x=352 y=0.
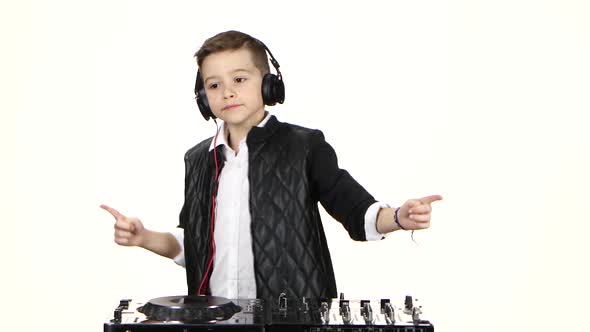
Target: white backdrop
x=482 y=102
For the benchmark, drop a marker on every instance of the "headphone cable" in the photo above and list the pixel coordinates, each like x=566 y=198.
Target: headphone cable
x=205 y=280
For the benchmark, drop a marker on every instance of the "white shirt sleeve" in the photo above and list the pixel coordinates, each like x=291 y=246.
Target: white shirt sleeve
x=371 y=232
x=178 y=234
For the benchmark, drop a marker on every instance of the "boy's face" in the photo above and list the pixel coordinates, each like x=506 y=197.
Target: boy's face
x=233 y=86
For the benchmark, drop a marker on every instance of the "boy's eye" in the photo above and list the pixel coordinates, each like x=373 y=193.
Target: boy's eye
x=240 y=79
x=213 y=86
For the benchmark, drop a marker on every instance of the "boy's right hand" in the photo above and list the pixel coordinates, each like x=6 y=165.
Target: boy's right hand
x=128 y=231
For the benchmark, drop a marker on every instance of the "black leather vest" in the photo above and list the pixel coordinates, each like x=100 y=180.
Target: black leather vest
x=291 y=254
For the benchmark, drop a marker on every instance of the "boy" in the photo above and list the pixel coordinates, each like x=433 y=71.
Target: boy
x=250 y=225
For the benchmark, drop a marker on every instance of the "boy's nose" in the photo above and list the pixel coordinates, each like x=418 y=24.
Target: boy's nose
x=229 y=93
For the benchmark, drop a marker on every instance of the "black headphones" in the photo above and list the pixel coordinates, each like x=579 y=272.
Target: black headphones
x=273 y=88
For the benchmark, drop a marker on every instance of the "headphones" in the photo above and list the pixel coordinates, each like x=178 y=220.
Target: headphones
x=273 y=88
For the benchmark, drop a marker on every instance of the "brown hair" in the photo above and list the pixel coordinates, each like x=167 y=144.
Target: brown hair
x=233 y=40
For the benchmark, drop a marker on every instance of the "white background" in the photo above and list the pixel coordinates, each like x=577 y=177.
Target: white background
x=482 y=102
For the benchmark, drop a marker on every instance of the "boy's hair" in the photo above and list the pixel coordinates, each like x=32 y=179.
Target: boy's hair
x=233 y=40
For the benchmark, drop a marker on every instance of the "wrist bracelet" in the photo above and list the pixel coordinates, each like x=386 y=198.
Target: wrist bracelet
x=396 y=221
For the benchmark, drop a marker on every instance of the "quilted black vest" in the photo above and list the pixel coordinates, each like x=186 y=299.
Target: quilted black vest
x=291 y=254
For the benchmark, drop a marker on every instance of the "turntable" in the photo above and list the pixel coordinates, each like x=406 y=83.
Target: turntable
x=187 y=313
x=210 y=313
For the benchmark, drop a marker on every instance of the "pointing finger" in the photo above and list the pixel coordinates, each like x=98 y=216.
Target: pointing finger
x=112 y=211
x=430 y=199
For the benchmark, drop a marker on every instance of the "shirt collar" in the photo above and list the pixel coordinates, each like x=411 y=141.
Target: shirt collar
x=222 y=139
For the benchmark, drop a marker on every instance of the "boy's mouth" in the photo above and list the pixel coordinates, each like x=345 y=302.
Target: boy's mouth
x=229 y=107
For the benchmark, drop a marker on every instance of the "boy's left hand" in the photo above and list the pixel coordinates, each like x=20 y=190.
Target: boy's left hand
x=414 y=214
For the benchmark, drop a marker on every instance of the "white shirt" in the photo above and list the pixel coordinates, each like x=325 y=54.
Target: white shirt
x=233 y=267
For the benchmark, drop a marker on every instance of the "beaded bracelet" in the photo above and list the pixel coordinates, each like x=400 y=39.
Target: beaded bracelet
x=396 y=221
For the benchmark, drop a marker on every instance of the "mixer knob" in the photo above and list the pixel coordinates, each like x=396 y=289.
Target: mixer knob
x=305 y=306
x=118 y=315
x=408 y=305
x=345 y=312
x=283 y=302
x=367 y=311
x=343 y=303
x=389 y=313
x=324 y=312
x=416 y=311
x=124 y=303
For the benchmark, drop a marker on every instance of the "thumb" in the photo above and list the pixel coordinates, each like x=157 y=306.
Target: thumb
x=136 y=225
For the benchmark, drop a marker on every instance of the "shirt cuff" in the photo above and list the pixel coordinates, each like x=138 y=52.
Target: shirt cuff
x=178 y=234
x=371 y=233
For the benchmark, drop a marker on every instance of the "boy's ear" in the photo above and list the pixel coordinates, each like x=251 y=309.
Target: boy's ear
x=201 y=98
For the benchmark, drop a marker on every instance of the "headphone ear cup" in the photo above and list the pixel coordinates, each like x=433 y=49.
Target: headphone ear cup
x=273 y=90
x=201 y=98
x=203 y=104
